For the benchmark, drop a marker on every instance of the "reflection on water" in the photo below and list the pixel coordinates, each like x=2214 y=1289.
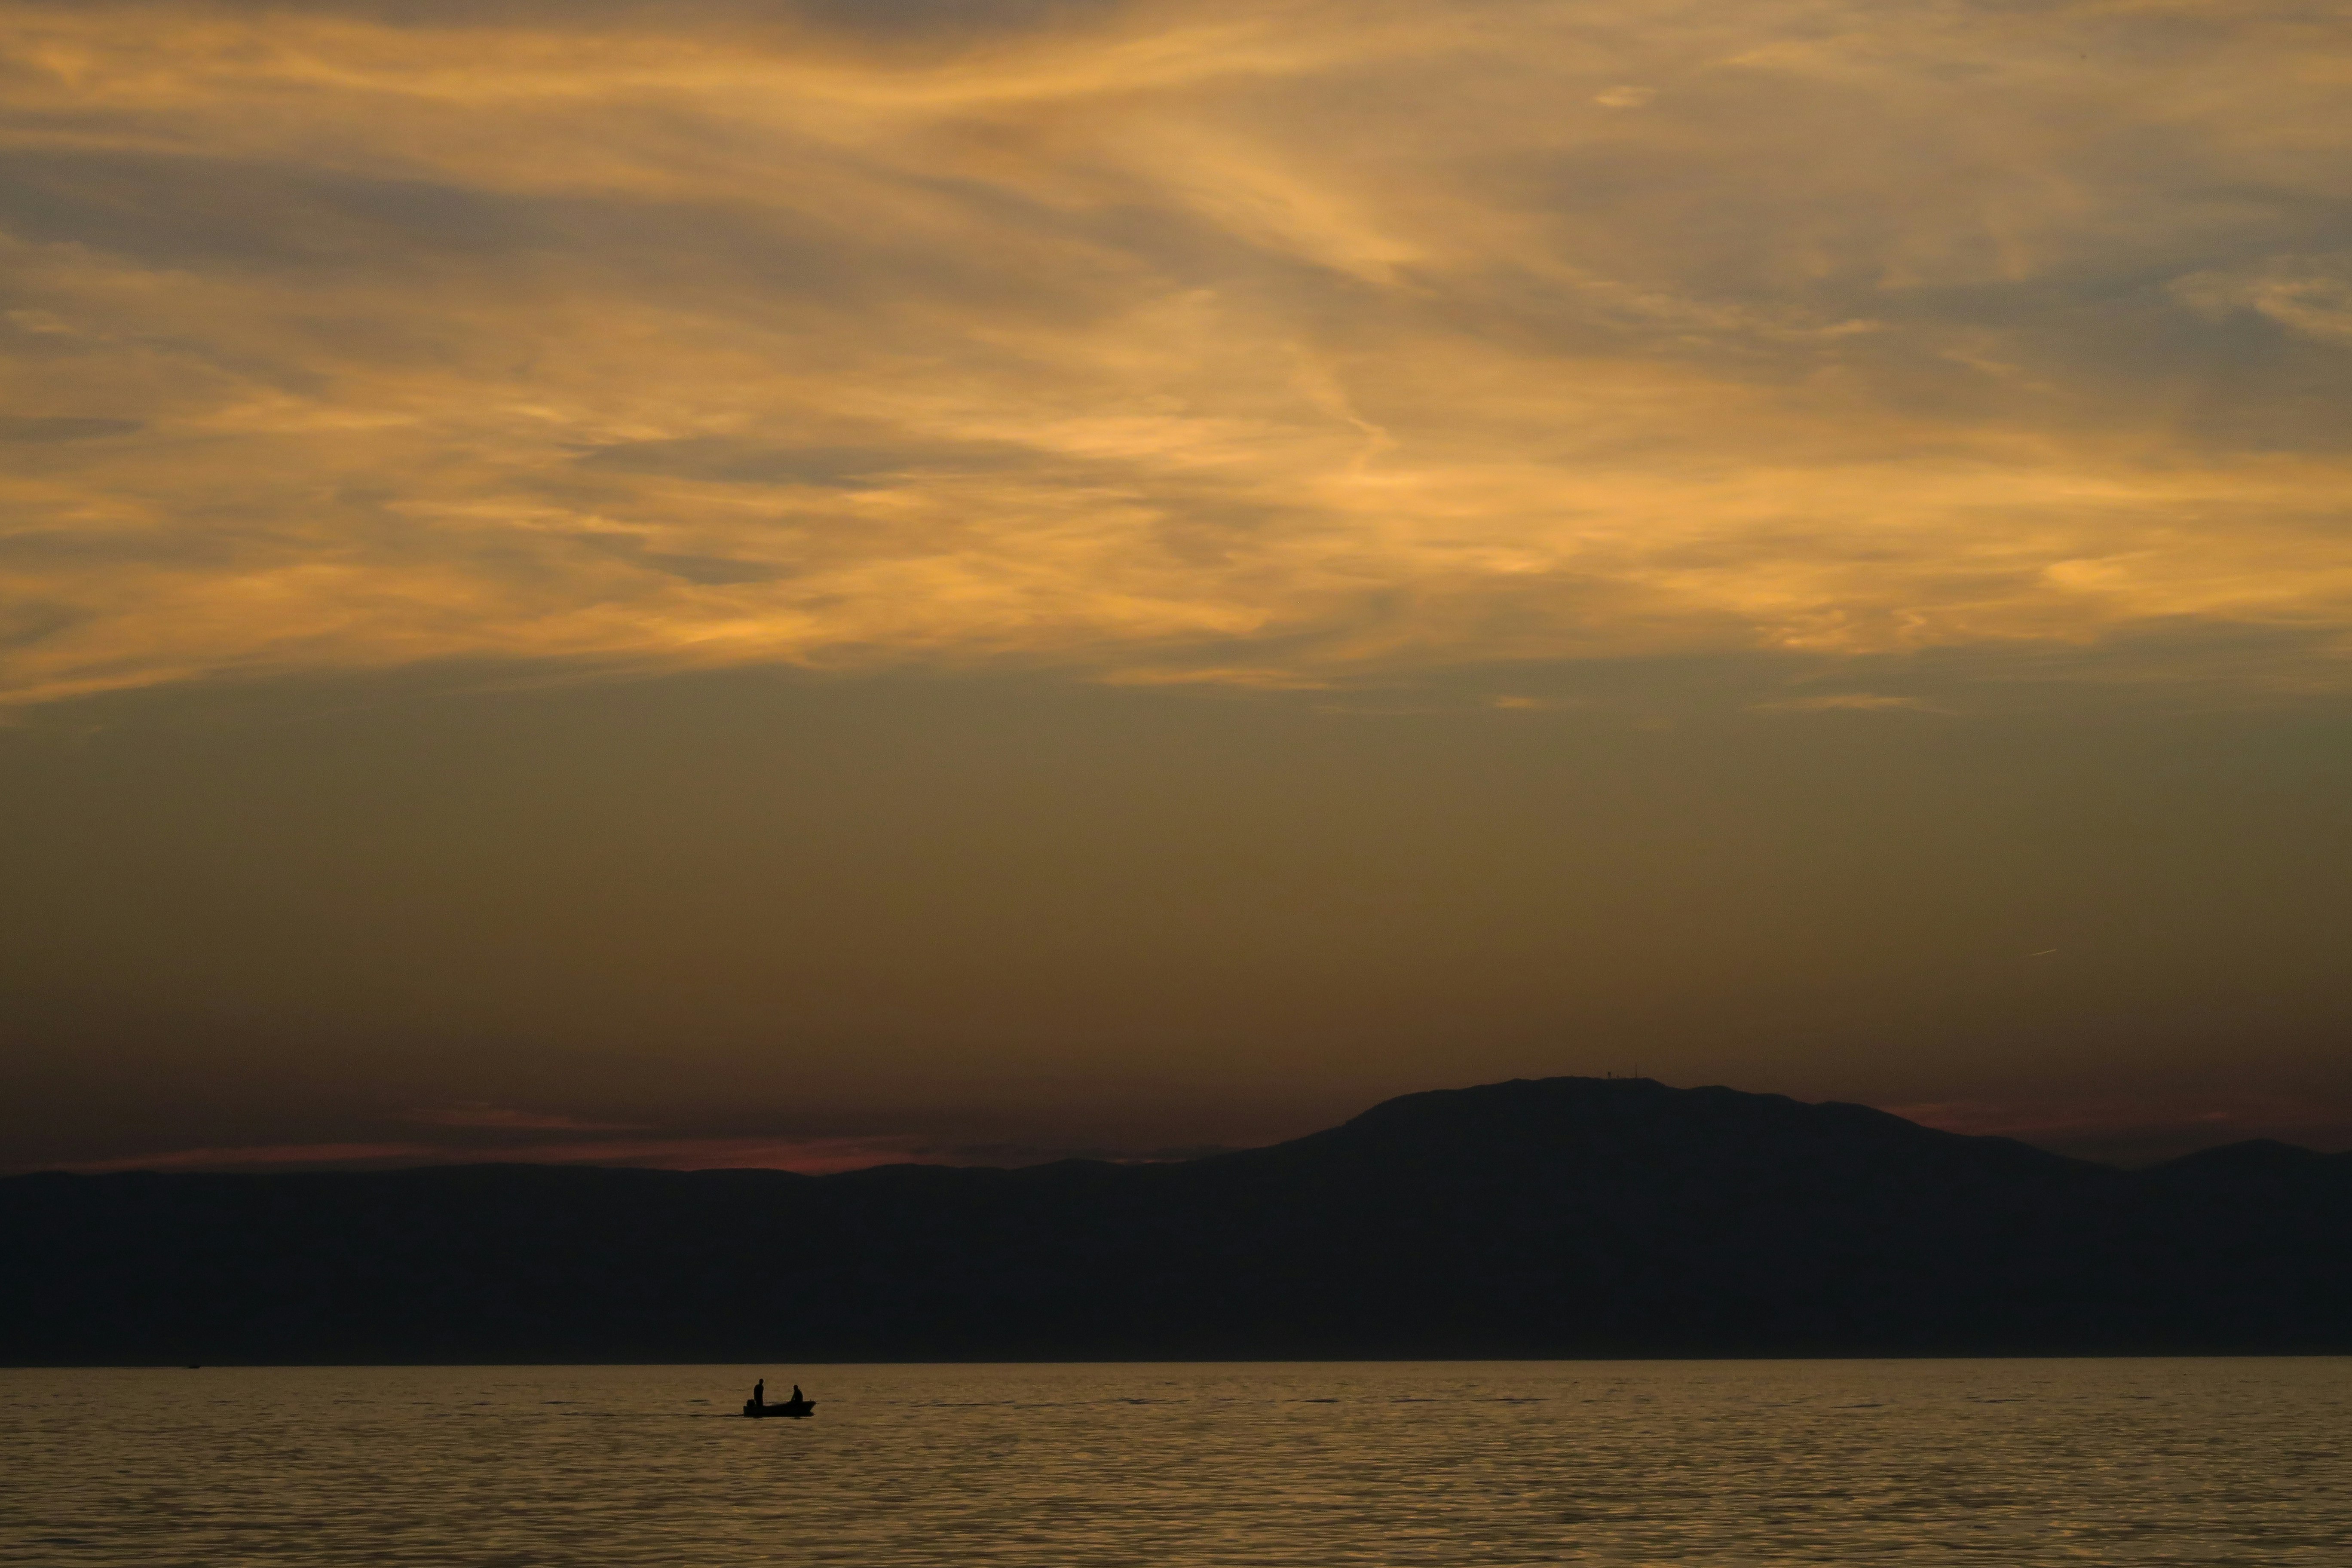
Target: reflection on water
x=2009 y=1463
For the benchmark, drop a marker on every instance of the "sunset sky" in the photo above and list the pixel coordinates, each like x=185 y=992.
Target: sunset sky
x=766 y=582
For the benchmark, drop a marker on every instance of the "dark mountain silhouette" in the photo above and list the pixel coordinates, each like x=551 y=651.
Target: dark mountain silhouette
x=1567 y=1216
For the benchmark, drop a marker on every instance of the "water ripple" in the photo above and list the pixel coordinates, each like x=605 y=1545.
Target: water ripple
x=2004 y=1464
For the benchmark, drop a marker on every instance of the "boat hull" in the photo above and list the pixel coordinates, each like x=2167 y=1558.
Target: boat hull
x=791 y=1409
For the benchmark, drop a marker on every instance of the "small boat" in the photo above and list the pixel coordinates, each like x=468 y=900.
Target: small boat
x=758 y=1405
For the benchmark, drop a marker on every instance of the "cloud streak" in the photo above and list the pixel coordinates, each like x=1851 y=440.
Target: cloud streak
x=1283 y=345
x=808 y=1156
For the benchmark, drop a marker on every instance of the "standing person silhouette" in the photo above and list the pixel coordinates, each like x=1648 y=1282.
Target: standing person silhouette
x=759 y=1393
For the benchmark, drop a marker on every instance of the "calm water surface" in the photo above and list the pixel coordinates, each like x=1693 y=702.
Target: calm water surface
x=2009 y=1463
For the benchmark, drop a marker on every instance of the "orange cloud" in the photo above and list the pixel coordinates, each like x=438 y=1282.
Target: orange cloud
x=1277 y=346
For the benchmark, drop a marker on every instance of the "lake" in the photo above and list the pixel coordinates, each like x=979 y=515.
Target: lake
x=1995 y=1462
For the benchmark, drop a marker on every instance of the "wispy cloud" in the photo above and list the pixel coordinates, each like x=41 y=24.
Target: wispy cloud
x=502 y=1119
x=1330 y=339
x=260 y=1157
x=1849 y=703
x=813 y=1156
x=809 y=1156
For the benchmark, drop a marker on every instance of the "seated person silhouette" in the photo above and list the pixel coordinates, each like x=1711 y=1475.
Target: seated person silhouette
x=798 y=1404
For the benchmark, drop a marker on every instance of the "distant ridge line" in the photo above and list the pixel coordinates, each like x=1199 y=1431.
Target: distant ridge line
x=1537 y=1217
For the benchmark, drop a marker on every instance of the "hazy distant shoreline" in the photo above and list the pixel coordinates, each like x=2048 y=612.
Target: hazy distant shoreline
x=1558 y=1219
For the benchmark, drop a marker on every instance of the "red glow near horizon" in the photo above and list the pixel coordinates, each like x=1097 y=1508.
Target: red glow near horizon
x=803 y=1156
